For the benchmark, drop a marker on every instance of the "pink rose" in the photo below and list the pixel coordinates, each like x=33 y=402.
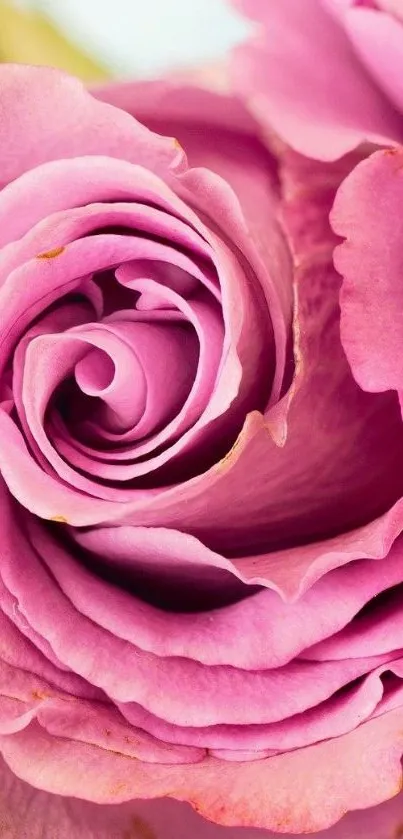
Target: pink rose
x=325 y=74
x=200 y=572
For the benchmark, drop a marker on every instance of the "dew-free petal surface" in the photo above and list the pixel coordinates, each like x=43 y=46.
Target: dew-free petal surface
x=321 y=114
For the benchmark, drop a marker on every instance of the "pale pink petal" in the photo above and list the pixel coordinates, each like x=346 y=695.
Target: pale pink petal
x=395 y=7
x=378 y=40
x=30 y=814
x=325 y=113
x=327 y=779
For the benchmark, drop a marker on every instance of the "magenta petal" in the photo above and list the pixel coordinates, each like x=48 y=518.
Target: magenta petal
x=268 y=258
x=395 y=7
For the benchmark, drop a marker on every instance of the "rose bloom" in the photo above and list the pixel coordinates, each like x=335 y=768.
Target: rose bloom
x=200 y=564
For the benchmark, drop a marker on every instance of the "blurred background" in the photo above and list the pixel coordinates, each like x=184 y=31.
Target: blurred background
x=117 y=38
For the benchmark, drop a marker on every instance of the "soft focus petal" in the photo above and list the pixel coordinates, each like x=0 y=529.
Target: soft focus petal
x=31 y=814
x=395 y=7
x=378 y=40
x=303 y=79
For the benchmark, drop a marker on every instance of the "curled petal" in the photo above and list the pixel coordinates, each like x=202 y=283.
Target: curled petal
x=48 y=115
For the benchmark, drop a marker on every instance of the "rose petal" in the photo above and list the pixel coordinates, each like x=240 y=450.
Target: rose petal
x=221 y=137
x=258 y=632
x=395 y=7
x=367 y=213
x=378 y=40
x=106 y=660
x=379 y=631
x=369 y=698
x=48 y=115
x=332 y=111
x=28 y=814
x=328 y=779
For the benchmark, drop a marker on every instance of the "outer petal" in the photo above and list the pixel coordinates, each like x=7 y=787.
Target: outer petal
x=321 y=113
x=378 y=40
x=302 y=791
x=30 y=814
x=48 y=115
x=368 y=213
x=394 y=7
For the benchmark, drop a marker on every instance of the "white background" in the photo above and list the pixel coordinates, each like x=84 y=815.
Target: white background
x=145 y=37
